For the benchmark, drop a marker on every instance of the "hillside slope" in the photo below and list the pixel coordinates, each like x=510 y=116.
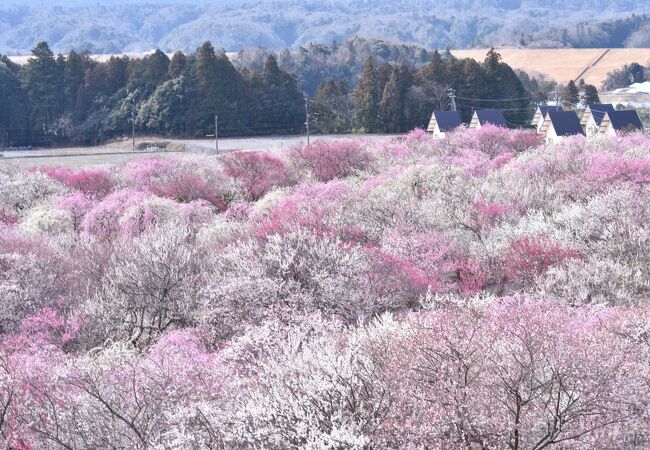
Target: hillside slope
x=119 y=26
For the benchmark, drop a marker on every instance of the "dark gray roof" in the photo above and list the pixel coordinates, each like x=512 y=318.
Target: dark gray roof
x=565 y=123
x=544 y=109
x=625 y=120
x=447 y=120
x=493 y=116
x=598 y=110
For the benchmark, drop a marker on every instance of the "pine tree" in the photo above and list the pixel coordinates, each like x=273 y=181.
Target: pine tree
x=366 y=107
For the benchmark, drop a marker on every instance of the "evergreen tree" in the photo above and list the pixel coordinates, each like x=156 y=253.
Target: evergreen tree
x=169 y=111
x=636 y=73
x=366 y=107
x=571 y=94
x=148 y=73
x=42 y=80
x=74 y=76
x=282 y=102
x=394 y=110
x=177 y=64
x=116 y=74
x=220 y=90
x=12 y=66
x=434 y=70
x=504 y=86
x=13 y=113
x=590 y=94
x=390 y=107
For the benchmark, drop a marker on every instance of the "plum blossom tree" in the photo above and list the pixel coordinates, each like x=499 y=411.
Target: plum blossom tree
x=76 y=205
x=181 y=179
x=20 y=190
x=327 y=161
x=96 y=182
x=33 y=275
x=476 y=291
x=148 y=285
x=258 y=172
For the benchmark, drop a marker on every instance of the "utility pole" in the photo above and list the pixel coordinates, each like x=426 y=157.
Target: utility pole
x=133 y=130
x=307 y=118
x=452 y=95
x=557 y=98
x=216 y=132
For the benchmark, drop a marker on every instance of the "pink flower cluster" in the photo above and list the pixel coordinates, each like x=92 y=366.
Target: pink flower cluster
x=479 y=291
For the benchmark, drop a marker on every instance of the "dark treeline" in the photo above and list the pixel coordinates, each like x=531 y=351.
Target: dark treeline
x=74 y=99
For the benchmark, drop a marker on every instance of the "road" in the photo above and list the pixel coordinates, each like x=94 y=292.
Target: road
x=273 y=142
x=121 y=151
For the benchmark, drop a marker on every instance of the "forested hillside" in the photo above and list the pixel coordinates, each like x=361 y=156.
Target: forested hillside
x=105 y=26
x=74 y=99
x=633 y=31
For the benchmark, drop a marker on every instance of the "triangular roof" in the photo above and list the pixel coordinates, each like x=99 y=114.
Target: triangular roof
x=565 y=123
x=446 y=121
x=623 y=120
x=598 y=110
x=546 y=108
x=540 y=113
x=493 y=116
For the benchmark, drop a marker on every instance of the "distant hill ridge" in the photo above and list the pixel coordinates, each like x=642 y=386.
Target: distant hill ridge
x=116 y=26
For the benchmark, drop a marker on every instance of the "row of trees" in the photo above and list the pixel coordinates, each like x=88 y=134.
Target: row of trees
x=78 y=99
x=56 y=99
x=626 y=75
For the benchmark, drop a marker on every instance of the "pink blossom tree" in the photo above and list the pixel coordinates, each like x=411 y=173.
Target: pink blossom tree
x=327 y=161
x=94 y=182
x=258 y=172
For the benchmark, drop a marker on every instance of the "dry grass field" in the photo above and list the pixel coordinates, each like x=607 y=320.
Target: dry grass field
x=567 y=64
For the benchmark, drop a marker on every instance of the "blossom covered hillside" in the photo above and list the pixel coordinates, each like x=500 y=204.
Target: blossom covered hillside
x=480 y=291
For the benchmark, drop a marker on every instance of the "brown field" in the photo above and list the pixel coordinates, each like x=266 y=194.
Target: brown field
x=566 y=64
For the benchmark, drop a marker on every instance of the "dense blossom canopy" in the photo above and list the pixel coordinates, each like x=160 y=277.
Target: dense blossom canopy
x=479 y=291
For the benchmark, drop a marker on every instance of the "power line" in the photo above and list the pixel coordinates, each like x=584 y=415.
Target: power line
x=494 y=100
